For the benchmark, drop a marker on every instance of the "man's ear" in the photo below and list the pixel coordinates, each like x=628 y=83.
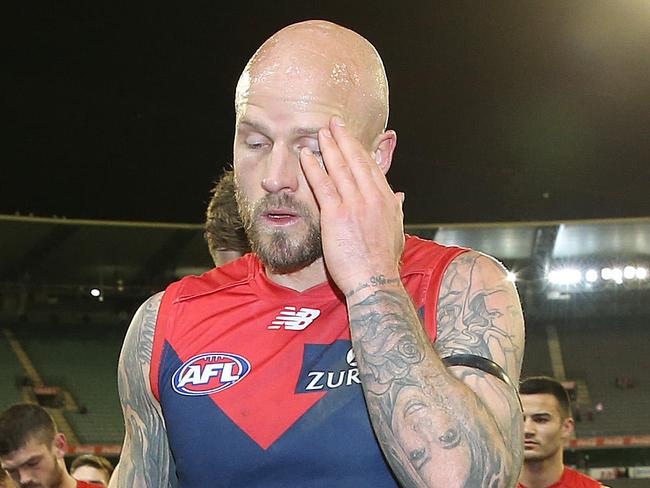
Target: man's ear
x=384 y=147
x=568 y=427
x=60 y=445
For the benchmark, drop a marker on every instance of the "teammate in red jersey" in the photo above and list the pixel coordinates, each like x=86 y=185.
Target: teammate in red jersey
x=311 y=152
x=548 y=426
x=224 y=230
x=32 y=450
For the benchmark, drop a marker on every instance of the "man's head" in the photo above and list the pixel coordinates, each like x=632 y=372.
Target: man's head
x=224 y=230
x=291 y=87
x=92 y=469
x=31 y=449
x=547 y=418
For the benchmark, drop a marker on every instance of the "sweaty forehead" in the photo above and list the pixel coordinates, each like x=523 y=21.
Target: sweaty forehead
x=317 y=62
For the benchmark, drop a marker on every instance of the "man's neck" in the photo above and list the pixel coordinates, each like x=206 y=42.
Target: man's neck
x=542 y=473
x=68 y=481
x=303 y=279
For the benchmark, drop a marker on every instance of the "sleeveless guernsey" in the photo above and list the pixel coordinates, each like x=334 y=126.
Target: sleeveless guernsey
x=258 y=383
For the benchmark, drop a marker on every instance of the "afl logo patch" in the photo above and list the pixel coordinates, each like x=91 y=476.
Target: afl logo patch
x=209 y=373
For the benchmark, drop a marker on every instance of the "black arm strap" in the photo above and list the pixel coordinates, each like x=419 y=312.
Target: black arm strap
x=486 y=365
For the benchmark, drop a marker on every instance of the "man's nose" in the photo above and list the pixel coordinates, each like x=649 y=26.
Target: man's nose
x=282 y=170
x=24 y=479
x=529 y=427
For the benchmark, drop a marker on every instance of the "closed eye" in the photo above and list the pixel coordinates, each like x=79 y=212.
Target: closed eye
x=256 y=145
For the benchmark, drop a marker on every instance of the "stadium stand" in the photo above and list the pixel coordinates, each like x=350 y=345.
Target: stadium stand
x=536 y=355
x=601 y=351
x=83 y=363
x=11 y=375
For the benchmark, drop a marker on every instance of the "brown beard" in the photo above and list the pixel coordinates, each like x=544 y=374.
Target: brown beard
x=279 y=252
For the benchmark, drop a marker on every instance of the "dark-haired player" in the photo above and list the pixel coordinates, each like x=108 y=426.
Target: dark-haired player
x=548 y=425
x=32 y=450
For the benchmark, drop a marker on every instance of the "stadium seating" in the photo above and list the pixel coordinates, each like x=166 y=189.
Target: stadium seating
x=84 y=362
x=10 y=375
x=600 y=352
x=536 y=356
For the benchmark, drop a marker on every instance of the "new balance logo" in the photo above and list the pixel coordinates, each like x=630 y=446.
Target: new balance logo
x=292 y=319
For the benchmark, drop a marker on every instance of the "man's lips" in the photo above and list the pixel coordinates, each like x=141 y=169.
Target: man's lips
x=530 y=443
x=281 y=216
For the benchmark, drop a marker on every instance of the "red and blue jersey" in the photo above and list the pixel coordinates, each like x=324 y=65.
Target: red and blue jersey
x=258 y=383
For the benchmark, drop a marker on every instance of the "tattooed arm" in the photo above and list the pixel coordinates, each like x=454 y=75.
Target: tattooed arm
x=146 y=460
x=438 y=427
x=443 y=427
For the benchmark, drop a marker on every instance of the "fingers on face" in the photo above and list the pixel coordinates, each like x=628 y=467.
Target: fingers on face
x=349 y=172
x=321 y=184
x=363 y=166
x=337 y=167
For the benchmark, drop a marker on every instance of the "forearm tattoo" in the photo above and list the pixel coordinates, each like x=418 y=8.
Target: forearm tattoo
x=433 y=429
x=146 y=461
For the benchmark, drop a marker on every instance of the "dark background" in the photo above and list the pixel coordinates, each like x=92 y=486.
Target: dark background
x=505 y=110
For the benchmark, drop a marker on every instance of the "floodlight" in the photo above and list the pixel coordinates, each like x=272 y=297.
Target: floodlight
x=565 y=276
x=629 y=272
x=591 y=275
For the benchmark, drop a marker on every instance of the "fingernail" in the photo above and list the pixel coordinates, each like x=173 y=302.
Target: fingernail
x=338 y=121
x=326 y=133
x=306 y=151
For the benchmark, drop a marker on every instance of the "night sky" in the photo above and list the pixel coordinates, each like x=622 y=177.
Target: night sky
x=505 y=110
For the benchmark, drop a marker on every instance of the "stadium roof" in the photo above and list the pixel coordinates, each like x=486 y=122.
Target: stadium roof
x=136 y=259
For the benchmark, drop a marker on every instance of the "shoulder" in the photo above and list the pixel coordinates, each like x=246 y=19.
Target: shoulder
x=137 y=350
x=580 y=480
x=480 y=265
x=420 y=252
x=422 y=255
x=230 y=274
x=479 y=312
x=145 y=317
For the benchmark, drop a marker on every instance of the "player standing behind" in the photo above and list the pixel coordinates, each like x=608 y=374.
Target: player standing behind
x=548 y=426
x=224 y=231
x=32 y=450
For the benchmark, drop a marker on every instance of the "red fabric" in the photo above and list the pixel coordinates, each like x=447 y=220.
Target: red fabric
x=83 y=484
x=572 y=479
x=423 y=265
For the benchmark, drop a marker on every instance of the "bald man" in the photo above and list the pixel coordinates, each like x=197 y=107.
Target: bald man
x=341 y=352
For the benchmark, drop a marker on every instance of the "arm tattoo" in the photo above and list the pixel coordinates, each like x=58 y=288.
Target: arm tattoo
x=484 y=319
x=146 y=460
x=434 y=430
x=474 y=319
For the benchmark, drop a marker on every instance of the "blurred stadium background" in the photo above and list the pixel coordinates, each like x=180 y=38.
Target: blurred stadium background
x=68 y=289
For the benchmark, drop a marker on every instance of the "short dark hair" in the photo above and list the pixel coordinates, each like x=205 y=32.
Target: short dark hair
x=98 y=462
x=22 y=422
x=545 y=384
x=224 y=230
